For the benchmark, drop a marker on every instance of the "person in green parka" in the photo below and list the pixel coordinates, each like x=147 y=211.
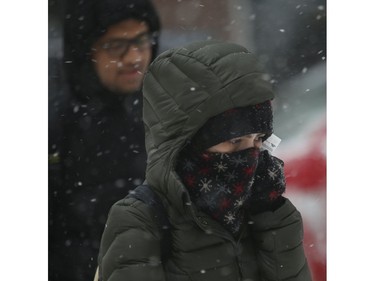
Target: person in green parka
x=207 y=110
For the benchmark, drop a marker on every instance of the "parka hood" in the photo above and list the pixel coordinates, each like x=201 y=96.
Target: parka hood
x=183 y=88
x=85 y=21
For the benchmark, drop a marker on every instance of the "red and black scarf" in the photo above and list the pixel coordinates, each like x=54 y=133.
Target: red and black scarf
x=220 y=183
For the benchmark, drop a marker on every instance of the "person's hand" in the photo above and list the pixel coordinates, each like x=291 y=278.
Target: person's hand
x=268 y=185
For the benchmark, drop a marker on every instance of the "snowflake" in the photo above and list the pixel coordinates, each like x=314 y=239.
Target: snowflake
x=209 y=202
x=220 y=167
x=205 y=185
x=272 y=174
x=238 y=161
x=239 y=202
x=229 y=218
x=279 y=165
x=222 y=188
x=230 y=176
x=188 y=165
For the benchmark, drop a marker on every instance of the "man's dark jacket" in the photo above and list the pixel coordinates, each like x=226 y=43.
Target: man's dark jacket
x=101 y=153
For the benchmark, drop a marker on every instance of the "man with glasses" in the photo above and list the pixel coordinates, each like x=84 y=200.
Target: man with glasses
x=121 y=59
x=108 y=46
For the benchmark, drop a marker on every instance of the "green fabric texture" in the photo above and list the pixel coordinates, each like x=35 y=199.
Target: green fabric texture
x=183 y=88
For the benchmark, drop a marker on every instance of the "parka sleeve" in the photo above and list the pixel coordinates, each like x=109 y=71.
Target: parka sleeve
x=130 y=245
x=278 y=238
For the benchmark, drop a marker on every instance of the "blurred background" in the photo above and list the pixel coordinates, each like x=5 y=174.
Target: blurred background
x=289 y=37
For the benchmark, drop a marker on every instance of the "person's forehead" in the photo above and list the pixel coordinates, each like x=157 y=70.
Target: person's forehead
x=128 y=28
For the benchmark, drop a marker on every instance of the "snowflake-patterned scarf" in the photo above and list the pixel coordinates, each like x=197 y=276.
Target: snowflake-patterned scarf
x=219 y=183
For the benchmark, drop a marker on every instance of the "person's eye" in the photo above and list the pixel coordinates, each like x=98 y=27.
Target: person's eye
x=143 y=41
x=114 y=45
x=260 y=137
x=235 y=141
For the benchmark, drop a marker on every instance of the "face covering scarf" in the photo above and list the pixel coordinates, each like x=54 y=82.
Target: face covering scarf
x=220 y=184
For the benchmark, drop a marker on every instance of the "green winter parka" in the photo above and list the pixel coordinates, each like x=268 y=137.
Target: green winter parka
x=183 y=88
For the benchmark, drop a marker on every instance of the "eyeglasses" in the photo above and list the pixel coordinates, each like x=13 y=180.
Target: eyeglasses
x=119 y=47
